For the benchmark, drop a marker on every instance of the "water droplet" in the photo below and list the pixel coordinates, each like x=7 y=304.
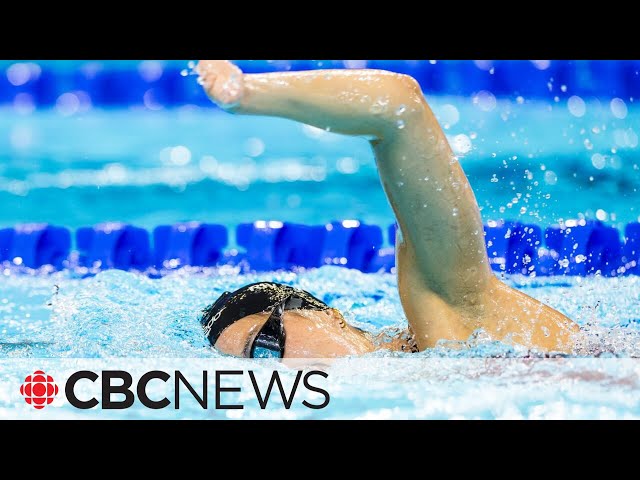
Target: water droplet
x=598 y=161
x=191 y=64
x=426 y=179
x=400 y=184
x=563 y=88
x=400 y=124
x=401 y=109
x=577 y=107
x=618 y=108
x=454 y=212
x=184 y=72
x=200 y=81
x=494 y=179
x=379 y=106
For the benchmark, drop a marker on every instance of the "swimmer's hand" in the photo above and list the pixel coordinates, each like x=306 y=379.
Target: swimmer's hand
x=222 y=81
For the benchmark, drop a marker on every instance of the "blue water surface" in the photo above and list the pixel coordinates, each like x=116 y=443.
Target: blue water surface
x=536 y=162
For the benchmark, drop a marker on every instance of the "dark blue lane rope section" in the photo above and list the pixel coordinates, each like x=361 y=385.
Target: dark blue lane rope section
x=167 y=83
x=577 y=247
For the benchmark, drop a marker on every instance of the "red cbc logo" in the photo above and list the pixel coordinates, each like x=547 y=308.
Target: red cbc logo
x=39 y=389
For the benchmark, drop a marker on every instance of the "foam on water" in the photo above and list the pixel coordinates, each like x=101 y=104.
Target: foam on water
x=125 y=314
x=127 y=320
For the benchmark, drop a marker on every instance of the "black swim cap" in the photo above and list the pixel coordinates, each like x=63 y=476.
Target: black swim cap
x=251 y=299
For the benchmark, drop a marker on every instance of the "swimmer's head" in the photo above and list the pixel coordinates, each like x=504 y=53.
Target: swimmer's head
x=272 y=320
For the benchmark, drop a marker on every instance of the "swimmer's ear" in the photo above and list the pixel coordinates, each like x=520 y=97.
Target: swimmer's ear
x=345 y=321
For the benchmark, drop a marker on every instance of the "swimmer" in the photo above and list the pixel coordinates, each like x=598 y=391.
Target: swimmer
x=447 y=288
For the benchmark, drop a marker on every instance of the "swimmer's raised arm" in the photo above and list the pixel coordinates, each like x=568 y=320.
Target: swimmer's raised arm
x=445 y=283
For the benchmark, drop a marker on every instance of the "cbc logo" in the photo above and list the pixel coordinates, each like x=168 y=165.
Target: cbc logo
x=39 y=389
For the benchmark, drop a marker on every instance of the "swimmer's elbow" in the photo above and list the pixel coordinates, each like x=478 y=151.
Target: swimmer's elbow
x=408 y=102
x=408 y=85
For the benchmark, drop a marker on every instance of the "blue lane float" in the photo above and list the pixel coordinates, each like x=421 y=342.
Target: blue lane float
x=583 y=248
x=193 y=243
x=35 y=245
x=512 y=247
x=577 y=247
x=631 y=249
x=113 y=245
x=276 y=245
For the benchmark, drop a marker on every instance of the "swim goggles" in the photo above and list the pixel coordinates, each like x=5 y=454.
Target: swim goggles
x=258 y=298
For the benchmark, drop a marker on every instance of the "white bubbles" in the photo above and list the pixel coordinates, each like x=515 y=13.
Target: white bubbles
x=448 y=115
x=400 y=124
x=19 y=73
x=461 y=144
x=550 y=177
x=115 y=173
x=485 y=65
x=292 y=171
x=485 y=100
x=355 y=63
x=84 y=99
x=208 y=165
x=254 y=147
x=520 y=100
x=401 y=109
x=178 y=156
x=150 y=70
x=618 y=108
x=24 y=104
x=598 y=161
x=347 y=165
x=601 y=215
x=576 y=106
x=150 y=101
x=625 y=138
x=541 y=64
x=67 y=104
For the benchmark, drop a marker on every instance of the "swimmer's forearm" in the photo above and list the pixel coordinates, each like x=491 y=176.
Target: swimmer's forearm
x=352 y=102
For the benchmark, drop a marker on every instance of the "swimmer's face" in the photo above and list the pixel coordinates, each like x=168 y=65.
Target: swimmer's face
x=309 y=334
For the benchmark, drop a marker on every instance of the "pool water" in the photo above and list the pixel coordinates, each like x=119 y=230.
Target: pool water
x=125 y=320
x=537 y=162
